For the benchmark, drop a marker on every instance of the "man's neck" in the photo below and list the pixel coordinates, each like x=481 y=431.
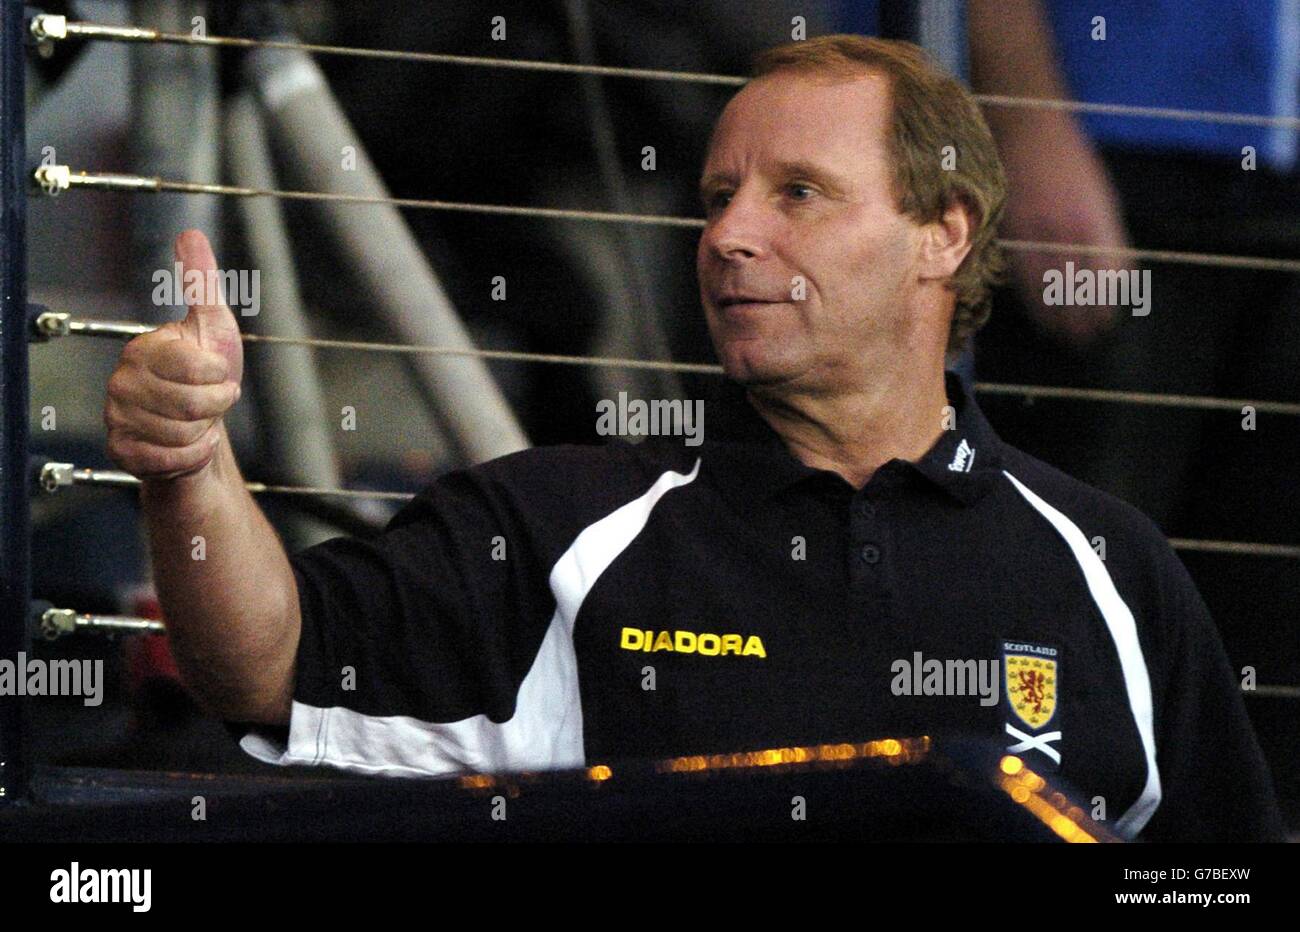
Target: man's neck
x=855 y=433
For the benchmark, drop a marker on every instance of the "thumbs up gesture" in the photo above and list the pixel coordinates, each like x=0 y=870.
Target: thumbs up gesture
x=172 y=386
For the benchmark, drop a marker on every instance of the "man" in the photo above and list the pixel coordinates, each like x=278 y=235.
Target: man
x=856 y=511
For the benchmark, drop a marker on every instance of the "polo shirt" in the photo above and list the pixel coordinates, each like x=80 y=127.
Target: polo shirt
x=572 y=605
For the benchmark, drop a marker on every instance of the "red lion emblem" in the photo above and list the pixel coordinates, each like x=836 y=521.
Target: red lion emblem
x=1031 y=687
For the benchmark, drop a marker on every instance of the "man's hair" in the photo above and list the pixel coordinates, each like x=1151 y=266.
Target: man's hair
x=930 y=111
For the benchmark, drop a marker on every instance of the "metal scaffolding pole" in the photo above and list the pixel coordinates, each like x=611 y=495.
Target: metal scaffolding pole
x=938 y=26
x=175 y=131
x=375 y=241
x=288 y=385
x=15 y=516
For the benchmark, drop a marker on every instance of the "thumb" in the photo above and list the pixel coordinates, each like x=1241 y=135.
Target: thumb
x=209 y=322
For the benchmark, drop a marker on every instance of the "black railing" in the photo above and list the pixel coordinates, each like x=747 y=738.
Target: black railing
x=15 y=518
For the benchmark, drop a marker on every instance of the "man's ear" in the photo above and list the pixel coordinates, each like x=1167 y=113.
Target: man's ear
x=945 y=242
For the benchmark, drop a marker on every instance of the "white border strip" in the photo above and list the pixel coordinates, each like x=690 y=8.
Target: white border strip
x=545 y=731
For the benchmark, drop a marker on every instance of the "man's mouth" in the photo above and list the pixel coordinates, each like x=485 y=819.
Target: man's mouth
x=743 y=302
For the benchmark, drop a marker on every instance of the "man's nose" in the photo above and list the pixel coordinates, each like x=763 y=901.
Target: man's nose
x=737 y=231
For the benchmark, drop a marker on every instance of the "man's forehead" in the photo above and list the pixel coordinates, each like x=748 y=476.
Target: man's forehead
x=800 y=120
x=783 y=96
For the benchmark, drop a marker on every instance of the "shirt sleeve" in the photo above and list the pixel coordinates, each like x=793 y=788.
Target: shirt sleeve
x=1215 y=782
x=434 y=648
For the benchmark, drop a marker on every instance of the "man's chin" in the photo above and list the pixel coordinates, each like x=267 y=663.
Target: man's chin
x=753 y=361
x=753 y=373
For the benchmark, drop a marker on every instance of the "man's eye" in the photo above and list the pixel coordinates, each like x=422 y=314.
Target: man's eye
x=796 y=188
x=715 y=201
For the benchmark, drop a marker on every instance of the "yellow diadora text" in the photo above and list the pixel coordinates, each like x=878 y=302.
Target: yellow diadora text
x=688 y=642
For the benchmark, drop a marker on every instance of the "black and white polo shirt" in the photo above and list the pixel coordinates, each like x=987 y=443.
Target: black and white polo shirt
x=571 y=605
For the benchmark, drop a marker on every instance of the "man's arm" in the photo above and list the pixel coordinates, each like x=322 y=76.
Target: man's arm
x=227 y=592
x=232 y=617
x=1216 y=784
x=1060 y=191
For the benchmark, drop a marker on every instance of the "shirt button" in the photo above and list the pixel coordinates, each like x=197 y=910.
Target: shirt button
x=864 y=508
x=870 y=553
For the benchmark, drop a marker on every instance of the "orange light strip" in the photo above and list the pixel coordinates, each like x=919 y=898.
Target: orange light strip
x=895 y=750
x=1025 y=788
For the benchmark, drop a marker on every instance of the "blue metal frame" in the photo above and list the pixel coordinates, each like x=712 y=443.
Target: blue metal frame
x=15 y=516
x=938 y=26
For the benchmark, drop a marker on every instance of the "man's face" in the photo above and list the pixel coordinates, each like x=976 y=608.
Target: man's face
x=796 y=185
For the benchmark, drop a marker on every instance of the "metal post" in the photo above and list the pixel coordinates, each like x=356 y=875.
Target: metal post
x=175 y=132
x=938 y=26
x=287 y=383
x=15 y=519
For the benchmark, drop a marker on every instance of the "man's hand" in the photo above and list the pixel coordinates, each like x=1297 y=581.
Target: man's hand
x=172 y=387
x=1060 y=194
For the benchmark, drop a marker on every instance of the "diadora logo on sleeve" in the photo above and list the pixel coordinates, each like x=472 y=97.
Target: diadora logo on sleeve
x=689 y=642
x=1033 y=673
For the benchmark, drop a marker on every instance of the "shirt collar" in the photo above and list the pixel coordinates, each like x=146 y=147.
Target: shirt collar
x=750 y=461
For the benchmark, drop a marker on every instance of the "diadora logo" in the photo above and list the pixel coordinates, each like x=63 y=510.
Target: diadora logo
x=964 y=459
x=688 y=642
